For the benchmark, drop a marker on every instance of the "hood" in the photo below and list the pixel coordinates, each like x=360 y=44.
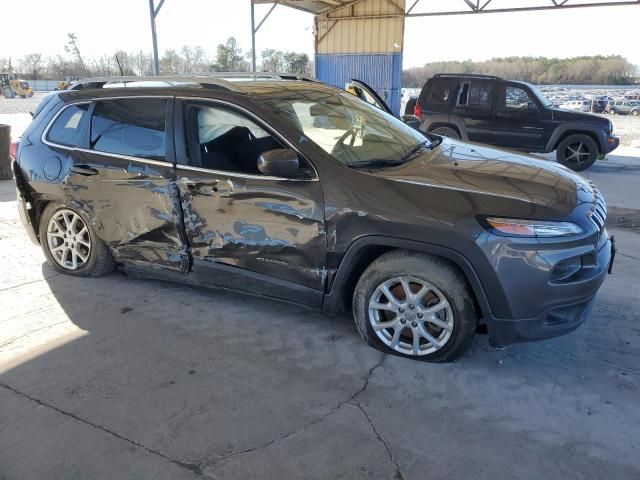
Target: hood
x=507 y=176
x=576 y=116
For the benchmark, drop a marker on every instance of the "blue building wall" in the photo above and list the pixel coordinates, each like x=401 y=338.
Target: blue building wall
x=381 y=71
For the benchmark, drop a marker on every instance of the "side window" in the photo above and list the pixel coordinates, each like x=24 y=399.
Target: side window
x=438 y=91
x=67 y=128
x=134 y=127
x=475 y=94
x=517 y=98
x=222 y=139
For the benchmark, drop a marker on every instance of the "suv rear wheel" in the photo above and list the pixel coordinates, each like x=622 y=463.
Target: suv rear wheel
x=71 y=244
x=577 y=151
x=446 y=132
x=415 y=305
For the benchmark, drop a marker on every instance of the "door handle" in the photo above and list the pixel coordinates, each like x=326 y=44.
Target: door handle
x=84 y=170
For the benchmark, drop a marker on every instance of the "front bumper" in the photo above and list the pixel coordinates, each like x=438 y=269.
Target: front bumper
x=535 y=305
x=612 y=143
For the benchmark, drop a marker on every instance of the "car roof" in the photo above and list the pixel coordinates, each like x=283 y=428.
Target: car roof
x=238 y=83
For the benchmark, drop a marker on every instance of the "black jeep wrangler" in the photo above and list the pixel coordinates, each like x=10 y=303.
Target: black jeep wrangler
x=511 y=114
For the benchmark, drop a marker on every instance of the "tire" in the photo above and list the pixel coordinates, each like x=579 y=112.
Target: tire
x=446 y=132
x=612 y=112
x=584 y=144
x=634 y=113
x=97 y=257
x=8 y=93
x=446 y=289
x=409 y=107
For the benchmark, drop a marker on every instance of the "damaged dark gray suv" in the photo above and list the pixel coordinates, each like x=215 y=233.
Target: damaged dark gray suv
x=299 y=191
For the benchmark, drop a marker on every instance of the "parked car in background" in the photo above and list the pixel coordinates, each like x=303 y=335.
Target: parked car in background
x=624 y=107
x=599 y=104
x=505 y=113
x=579 y=105
x=234 y=184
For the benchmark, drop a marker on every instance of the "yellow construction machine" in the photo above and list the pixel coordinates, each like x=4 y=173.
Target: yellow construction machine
x=11 y=86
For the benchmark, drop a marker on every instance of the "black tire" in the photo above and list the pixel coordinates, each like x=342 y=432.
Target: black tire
x=8 y=92
x=581 y=142
x=409 y=108
x=434 y=271
x=634 y=113
x=99 y=262
x=446 y=132
x=612 y=111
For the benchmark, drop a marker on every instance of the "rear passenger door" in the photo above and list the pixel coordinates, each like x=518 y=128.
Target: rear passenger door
x=474 y=105
x=247 y=231
x=122 y=176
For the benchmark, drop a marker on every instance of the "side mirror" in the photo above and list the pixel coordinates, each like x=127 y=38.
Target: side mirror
x=412 y=121
x=280 y=162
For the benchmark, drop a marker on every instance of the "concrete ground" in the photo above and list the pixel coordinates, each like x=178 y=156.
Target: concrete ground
x=133 y=379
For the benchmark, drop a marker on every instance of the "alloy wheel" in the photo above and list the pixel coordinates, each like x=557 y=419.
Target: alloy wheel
x=68 y=239
x=576 y=153
x=411 y=316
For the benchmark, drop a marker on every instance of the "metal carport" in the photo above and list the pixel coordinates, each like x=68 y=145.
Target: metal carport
x=365 y=38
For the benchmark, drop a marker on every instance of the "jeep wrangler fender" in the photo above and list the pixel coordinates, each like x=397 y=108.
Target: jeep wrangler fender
x=570 y=128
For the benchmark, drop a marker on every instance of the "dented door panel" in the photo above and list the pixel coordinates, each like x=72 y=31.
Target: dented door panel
x=271 y=228
x=133 y=205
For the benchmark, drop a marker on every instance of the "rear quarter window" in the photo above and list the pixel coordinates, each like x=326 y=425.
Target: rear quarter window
x=437 y=91
x=66 y=129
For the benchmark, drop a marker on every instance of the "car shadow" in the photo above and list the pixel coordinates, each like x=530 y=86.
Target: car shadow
x=195 y=375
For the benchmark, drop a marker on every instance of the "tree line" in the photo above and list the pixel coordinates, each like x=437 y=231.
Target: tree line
x=592 y=70
x=228 y=57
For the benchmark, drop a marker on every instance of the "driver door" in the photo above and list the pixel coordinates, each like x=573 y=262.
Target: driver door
x=366 y=93
x=247 y=231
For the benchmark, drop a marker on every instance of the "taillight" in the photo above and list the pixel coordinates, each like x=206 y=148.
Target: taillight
x=417 y=111
x=13 y=150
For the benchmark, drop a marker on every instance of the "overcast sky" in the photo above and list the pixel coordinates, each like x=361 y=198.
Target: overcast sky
x=108 y=25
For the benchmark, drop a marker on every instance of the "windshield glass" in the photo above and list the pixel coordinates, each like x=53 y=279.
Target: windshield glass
x=544 y=100
x=350 y=130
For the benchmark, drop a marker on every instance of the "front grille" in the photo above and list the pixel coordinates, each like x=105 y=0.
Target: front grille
x=598 y=214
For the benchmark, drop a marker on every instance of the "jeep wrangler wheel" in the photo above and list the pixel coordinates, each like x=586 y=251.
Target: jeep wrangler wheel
x=415 y=305
x=446 y=132
x=578 y=152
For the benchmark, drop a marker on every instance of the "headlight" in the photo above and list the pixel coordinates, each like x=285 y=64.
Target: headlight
x=514 y=227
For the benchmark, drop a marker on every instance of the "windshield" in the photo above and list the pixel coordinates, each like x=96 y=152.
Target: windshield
x=353 y=132
x=544 y=100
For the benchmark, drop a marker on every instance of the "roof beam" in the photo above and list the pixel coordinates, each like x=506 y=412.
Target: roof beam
x=555 y=5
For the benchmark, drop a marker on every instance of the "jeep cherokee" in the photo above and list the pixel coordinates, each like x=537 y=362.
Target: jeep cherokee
x=299 y=191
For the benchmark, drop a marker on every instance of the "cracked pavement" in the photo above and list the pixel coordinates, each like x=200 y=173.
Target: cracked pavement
x=116 y=377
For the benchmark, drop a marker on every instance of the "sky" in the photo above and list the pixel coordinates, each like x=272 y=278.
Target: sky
x=105 y=26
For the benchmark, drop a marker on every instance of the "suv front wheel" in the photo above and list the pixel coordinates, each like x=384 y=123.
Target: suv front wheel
x=578 y=152
x=415 y=305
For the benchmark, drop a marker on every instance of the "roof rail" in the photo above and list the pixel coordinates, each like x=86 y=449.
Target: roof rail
x=220 y=79
x=468 y=75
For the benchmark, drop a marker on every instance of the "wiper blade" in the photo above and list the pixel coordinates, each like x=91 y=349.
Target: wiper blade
x=415 y=149
x=376 y=163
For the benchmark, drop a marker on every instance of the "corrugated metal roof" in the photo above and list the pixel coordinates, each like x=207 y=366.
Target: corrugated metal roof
x=312 y=6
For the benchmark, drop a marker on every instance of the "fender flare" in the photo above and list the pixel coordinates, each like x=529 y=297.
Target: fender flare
x=444 y=120
x=568 y=128
x=334 y=300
